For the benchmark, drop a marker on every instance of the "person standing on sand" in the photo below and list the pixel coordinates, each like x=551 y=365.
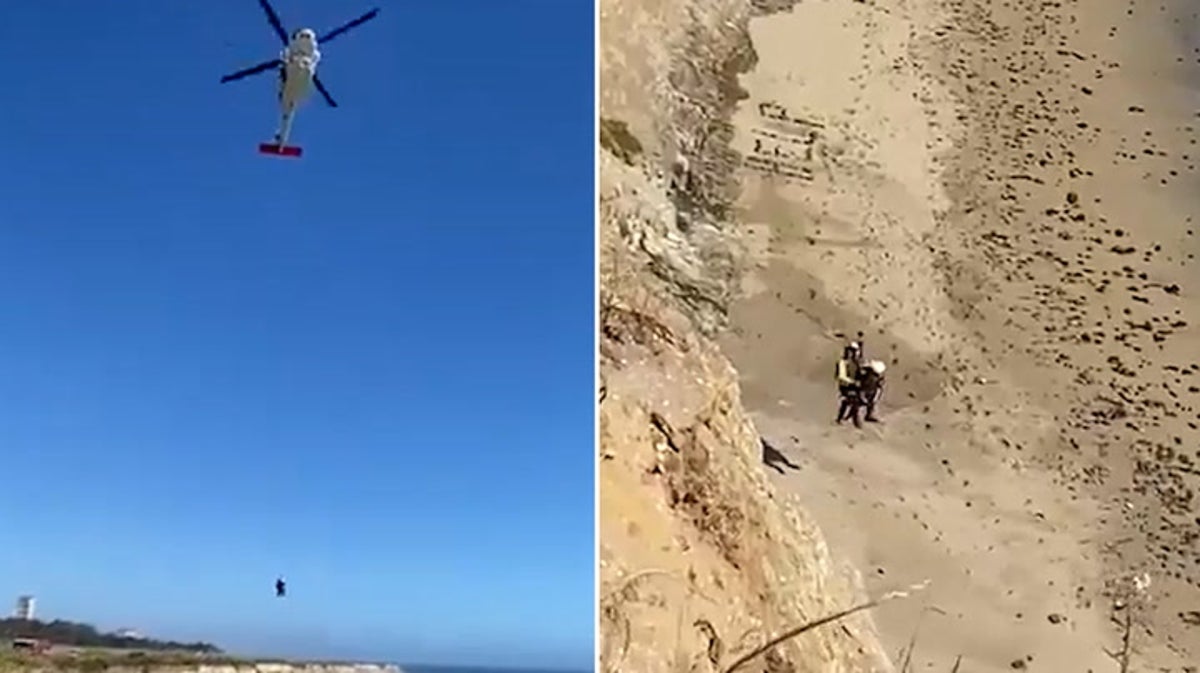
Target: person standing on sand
x=847 y=375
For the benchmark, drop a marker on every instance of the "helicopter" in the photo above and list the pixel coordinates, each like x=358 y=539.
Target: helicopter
x=297 y=68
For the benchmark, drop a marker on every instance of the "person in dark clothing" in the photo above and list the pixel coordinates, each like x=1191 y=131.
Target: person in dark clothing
x=280 y=588
x=870 y=383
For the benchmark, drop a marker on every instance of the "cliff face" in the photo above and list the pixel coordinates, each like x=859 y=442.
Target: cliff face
x=700 y=561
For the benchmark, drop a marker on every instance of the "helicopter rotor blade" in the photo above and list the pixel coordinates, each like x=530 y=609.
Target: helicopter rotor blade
x=274 y=19
x=252 y=70
x=321 y=87
x=348 y=25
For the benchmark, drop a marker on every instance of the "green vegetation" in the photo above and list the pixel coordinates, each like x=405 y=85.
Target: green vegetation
x=97 y=661
x=73 y=634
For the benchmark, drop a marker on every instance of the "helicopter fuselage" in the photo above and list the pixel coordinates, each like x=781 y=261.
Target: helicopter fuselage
x=300 y=59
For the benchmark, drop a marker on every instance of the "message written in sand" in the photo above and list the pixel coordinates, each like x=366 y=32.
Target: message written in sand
x=784 y=145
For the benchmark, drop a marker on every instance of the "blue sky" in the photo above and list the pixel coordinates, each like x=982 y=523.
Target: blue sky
x=369 y=370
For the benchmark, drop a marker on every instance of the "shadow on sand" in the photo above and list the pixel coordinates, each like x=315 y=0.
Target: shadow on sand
x=774 y=459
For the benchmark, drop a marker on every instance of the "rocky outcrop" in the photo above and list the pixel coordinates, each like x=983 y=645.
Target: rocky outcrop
x=296 y=668
x=700 y=561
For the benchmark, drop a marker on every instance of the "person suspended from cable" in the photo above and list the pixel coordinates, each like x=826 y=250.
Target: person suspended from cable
x=280 y=588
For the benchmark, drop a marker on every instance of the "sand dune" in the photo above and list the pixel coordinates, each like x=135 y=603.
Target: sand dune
x=1000 y=195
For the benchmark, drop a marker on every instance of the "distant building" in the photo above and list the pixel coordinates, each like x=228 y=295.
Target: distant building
x=24 y=609
x=132 y=634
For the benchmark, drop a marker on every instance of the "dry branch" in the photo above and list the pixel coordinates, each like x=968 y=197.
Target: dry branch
x=912 y=642
x=809 y=626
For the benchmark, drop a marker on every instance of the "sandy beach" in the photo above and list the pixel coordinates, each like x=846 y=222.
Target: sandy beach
x=1000 y=196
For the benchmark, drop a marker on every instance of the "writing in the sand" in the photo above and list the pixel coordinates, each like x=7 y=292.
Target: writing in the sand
x=785 y=145
x=772 y=111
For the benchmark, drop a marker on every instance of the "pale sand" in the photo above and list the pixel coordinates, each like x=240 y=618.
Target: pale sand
x=962 y=211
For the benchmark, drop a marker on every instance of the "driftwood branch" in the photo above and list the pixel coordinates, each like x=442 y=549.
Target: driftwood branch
x=809 y=626
x=906 y=667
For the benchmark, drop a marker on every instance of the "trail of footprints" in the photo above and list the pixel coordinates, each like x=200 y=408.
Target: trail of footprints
x=1084 y=298
x=1092 y=310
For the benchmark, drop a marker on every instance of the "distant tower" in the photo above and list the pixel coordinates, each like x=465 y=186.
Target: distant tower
x=24 y=609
